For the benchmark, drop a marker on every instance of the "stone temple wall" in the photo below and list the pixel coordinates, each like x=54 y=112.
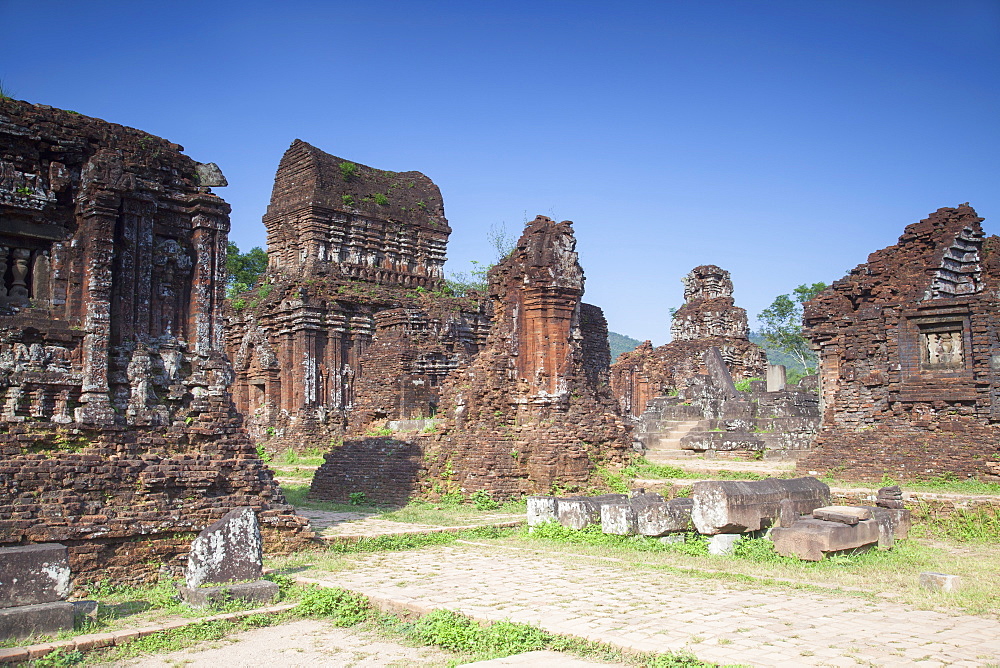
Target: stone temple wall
x=708 y=319
x=909 y=352
x=117 y=434
x=350 y=328
x=534 y=408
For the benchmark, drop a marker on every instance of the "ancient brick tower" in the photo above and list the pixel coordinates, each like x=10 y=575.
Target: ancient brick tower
x=909 y=352
x=117 y=433
x=533 y=409
x=347 y=328
x=709 y=318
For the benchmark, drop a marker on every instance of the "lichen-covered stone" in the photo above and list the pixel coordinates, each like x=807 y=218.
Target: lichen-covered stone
x=229 y=550
x=31 y=574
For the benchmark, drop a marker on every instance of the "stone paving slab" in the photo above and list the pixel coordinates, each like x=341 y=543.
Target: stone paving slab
x=655 y=611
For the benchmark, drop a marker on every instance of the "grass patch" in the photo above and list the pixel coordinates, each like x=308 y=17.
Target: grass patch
x=962 y=525
x=551 y=531
x=309 y=457
x=944 y=484
x=453 y=512
x=296 y=494
x=303 y=472
x=645 y=469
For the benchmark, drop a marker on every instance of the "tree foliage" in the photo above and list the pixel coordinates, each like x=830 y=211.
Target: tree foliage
x=781 y=324
x=243 y=270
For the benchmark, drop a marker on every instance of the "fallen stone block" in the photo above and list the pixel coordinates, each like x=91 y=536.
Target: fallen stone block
x=894 y=524
x=658 y=519
x=787 y=515
x=581 y=511
x=541 y=509
x=260 y=591
x=723 y=544
x=812 y=539
x=843 y=514
x=940 y=582
x=618 y=519
x=622 y=518
x=39 y=619
x=229 y=550
x=33 y=574
x=737 y=506
x=901 y=522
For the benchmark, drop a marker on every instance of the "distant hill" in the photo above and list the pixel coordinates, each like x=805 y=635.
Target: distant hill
x=621 y=344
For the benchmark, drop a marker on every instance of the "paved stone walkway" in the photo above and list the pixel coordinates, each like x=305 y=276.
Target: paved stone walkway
x=654 y=611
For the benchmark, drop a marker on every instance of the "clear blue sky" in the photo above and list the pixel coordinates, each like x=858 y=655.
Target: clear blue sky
x=783 y=141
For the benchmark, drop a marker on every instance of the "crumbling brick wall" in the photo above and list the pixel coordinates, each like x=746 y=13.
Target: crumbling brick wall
x=117 y=435
x=384 y=469
x=709 y=318
x=533 y=409
x=351 y=327
x=909 y=352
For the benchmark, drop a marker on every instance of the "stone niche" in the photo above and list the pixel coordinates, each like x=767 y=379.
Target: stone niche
x=350 y=327
x=908 y=345
x=117 y=435
x=534 y=408
x=708 y=319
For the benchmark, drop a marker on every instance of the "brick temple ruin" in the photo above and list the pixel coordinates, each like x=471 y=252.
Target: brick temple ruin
x=349 y=327
x=909 y=352
x=118 y=437
x=533 y=409
x=708 y=319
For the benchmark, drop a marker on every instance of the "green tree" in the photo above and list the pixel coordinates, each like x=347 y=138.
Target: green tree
x=782 y=324
x=243 y=269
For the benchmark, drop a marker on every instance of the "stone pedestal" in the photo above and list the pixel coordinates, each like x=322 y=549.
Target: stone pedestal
x=34 y=581
x=33 y=620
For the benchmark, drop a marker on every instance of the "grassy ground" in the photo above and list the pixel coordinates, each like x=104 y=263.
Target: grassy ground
x=946 y=484
x=453 y=511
